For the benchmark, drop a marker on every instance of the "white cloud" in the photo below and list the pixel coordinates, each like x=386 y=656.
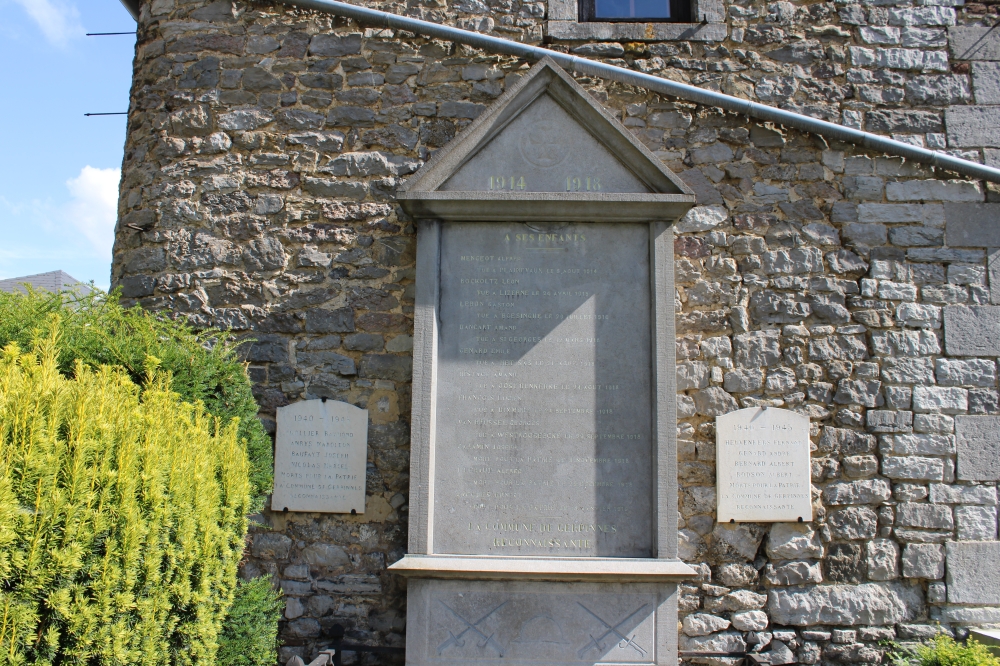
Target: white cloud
x=58 y=20
x=94 y=206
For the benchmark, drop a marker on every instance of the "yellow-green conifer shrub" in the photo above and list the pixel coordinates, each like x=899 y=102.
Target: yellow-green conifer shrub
x=122 y=518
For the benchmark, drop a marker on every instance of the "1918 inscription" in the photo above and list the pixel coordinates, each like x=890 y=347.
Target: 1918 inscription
x=543 y=416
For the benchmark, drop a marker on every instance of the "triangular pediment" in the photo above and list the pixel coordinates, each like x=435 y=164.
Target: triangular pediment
x=545 y=150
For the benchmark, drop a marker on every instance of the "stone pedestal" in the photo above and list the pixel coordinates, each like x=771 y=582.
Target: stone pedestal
x=543 y=503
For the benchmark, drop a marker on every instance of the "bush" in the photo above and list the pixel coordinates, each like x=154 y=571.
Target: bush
x=97 y=330
x=250 y=635
x=944 y=651
x=122 y=516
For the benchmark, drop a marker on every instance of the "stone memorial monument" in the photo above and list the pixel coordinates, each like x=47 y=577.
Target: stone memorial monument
x=762 y=466
x=320 y=457
x=543 y=503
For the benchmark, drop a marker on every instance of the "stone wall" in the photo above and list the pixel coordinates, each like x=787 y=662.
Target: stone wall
x=264 y=146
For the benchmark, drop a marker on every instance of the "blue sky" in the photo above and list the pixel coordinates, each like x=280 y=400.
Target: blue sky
x=59 y=173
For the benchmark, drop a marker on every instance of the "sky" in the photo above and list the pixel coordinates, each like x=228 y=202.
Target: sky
x=60 y=170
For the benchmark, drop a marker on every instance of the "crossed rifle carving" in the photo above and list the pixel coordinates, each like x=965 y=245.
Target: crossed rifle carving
x=623 y=639
x=458 y=641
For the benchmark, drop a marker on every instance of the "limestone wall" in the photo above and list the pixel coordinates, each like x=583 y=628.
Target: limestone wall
x=264 y=146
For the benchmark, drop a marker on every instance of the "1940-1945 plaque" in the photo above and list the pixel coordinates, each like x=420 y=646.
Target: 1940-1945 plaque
x=543 y=501
x=763 y=470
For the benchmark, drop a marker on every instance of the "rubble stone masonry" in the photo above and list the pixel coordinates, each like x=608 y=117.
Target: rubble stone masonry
x=264 y=147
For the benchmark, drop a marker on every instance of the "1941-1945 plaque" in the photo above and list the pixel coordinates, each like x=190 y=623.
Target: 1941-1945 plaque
x=543 y=504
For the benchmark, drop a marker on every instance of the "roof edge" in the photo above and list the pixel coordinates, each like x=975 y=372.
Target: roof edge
x=132 y=7
x=655 y=83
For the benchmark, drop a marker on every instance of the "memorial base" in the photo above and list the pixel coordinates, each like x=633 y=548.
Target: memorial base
x=533 y=610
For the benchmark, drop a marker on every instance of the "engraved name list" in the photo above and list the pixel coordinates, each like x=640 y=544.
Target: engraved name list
x=544 y=390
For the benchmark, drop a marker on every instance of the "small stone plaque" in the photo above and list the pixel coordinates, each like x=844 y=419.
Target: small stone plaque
x=978 y=442
x=320 y=457
x=762 y=458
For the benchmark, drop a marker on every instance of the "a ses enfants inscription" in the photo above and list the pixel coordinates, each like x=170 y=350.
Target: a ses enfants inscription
x=763 y=472
x=543 y=414
x=320 y=457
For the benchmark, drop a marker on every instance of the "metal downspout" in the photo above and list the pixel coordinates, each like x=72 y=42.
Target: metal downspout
x=682 y=90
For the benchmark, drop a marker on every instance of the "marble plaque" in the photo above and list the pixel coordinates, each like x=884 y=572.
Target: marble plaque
x=543 y=419
x=462 y=622
x=762 y=462
x=320 y=457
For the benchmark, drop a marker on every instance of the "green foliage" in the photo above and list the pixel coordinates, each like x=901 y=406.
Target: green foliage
x=250 y=635
x=97 y=330
x=943 y=650
x=122 y=516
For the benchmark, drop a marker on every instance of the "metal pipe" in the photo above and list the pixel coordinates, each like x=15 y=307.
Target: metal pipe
x=655 y=83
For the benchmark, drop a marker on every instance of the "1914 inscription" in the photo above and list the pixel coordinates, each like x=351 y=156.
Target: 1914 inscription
x=543 y=416
x=763 y=466
x=320 y=457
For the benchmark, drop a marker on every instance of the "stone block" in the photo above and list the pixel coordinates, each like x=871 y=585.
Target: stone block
x=940 y=400
x=931 y=215
x=924 y=516
x=984 y=401
x=794 y=573
x=922 y=16
x=860 y=467
x=948 y=494
x=976 y=523
x=974 y=572
x=974 y=43
x=703 y=624
x=972 y=330
x=971 y=615
x=921 y=444
x=792 y=541
x=962 y=372
x=923 y=37
x=972 y=126
x=850 y=605
x=853 y=523
x=883 y=559
x=934 y=190
x=972 y=224
x=978 y=443
x=729 y=641
x=913 y=468
x=986 y=82
x=866 y=491
x=885 y=420
x=922 y=316
x=923 y=560
x=750 y=620
x=905 y=343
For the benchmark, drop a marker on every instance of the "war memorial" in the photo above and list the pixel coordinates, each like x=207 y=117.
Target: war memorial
x=567 y=370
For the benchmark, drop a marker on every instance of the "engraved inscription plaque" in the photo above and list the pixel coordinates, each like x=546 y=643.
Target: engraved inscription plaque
x=543 y=412
x=763 y=466
x=320 y=457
